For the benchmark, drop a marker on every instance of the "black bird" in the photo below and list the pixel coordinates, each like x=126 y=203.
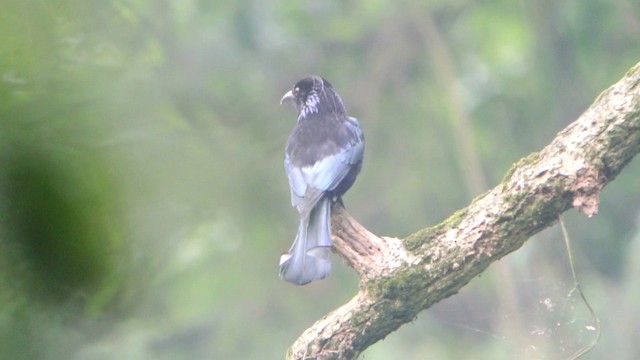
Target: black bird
x=322 y=158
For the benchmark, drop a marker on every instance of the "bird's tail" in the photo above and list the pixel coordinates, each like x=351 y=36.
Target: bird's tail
x=309 y=257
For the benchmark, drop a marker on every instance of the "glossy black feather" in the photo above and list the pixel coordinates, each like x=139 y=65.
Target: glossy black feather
x=323 y=157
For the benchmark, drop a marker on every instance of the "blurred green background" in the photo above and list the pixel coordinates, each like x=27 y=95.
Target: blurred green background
x=143 y=199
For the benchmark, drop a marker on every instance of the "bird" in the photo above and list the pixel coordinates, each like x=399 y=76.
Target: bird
x=323 y=156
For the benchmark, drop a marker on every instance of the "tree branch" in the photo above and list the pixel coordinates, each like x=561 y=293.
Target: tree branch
x=400 y=278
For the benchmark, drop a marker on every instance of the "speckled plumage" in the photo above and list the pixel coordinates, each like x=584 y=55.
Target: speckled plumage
x=323 y=156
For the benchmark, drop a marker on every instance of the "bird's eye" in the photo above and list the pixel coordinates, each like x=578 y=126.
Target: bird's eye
x=296 y=90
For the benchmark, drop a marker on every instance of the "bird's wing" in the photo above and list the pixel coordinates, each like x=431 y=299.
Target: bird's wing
x=309 y=183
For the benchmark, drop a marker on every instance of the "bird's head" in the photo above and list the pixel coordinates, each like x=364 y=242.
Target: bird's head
x=313 y=95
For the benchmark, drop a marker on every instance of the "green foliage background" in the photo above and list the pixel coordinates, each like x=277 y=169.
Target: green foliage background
x=143 y=200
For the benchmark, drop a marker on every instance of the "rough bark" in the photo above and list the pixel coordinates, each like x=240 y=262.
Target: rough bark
x=401 y=277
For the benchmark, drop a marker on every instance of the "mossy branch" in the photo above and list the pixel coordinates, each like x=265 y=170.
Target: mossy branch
x=401 y=277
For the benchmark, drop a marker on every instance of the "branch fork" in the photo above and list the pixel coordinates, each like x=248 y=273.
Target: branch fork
x=399 y=278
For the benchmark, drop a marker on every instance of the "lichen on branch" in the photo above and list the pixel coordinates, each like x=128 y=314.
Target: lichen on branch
x=401 y=277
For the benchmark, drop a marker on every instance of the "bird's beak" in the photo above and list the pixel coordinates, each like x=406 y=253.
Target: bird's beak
x=287 y=97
